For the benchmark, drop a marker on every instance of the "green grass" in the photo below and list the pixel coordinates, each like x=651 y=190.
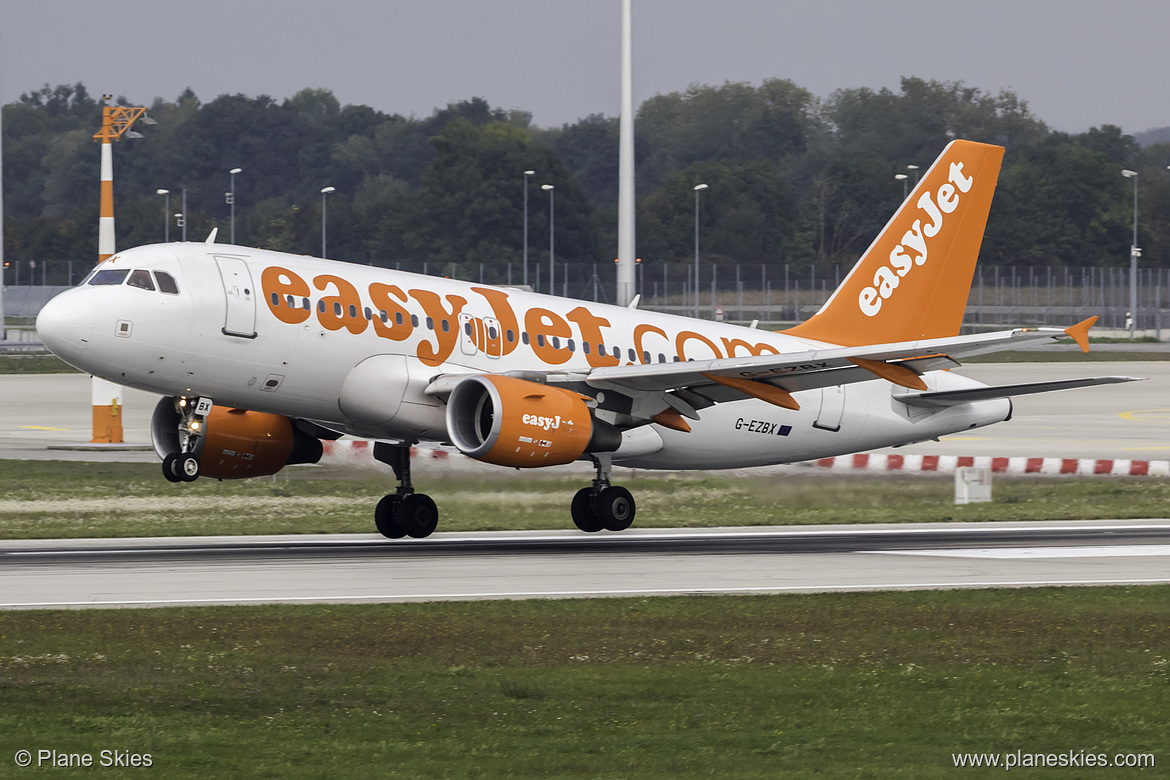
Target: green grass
x=58 y=499
x=34 y=364
x=839 y=685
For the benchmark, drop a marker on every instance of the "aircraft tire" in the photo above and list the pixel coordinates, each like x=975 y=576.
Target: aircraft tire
x=169 y=468
x=386 y=517
x=418 y=515
x=583 y=515
x=615 y=508
x=187 y=467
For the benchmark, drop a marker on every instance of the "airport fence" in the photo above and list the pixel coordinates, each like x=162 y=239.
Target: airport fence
x=774 y=294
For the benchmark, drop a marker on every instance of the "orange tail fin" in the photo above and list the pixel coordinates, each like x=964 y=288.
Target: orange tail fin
x=914 y=279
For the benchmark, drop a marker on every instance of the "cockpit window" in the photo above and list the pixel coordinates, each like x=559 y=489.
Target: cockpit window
x=166 y=283
x=109 y=276
x=141 y=279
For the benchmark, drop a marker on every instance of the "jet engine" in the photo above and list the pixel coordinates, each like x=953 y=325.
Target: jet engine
x=227 y=443
x=522 y=424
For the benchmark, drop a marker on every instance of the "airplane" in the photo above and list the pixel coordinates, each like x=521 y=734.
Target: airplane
x=262 y=355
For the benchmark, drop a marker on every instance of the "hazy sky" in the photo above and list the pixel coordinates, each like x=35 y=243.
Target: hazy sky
x=1078 y=63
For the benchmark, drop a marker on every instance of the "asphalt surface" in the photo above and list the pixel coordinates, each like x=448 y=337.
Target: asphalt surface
x=470 y=566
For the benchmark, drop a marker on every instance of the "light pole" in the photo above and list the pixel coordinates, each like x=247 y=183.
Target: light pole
x=166 y=215
x=698 y=188
x=232 y=200
x=324 y=194
x=915 y=169
x=526 y=175
x=552 y=264
x=902 y=178
x=1134 y=254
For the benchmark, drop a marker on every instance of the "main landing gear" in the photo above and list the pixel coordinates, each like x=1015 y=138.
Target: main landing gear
x=403 y=512
x=603 y=506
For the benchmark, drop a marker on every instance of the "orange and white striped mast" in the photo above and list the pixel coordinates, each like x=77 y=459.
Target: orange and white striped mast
x=116 y=121
x=107 y=396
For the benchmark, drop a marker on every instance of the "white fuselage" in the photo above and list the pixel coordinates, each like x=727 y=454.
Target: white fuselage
x=354 y=348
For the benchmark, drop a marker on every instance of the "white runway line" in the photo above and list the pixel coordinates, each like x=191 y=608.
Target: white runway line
x=1011 y=553
x=563 y=594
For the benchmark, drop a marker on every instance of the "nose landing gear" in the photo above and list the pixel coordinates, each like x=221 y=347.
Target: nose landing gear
x=183 y=466
x=602 y=506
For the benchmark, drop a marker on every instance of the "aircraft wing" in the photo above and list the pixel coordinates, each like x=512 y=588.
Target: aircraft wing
x=807 y=369
x=685 y=387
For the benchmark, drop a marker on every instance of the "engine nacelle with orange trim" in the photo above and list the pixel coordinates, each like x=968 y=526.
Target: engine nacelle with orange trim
x=522 y=424
x=234 y=443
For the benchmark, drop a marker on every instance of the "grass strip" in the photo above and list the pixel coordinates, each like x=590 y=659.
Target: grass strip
x=66 y=499
x=34 y=364
x=837 y=685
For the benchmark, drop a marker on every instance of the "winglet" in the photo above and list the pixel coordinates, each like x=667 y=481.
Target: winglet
x=1080 y=332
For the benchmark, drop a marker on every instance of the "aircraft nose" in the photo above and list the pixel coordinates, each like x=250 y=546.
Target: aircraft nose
x=65 y=325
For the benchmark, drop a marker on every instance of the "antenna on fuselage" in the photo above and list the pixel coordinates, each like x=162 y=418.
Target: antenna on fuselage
x=211 y=236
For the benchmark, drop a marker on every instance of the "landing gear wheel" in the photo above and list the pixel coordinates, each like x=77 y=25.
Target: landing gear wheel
x=187 y=467
x=169 y=469
x=615 y=508
x=418 y=515
x=583 y=515
x=386 y=517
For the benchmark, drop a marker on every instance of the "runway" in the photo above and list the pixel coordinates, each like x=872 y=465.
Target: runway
x=541 y=564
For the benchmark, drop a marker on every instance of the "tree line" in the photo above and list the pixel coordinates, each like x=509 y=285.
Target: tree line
x=793 y=179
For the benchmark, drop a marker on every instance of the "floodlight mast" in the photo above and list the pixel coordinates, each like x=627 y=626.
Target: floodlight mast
x=626 y=243
x=116 y=122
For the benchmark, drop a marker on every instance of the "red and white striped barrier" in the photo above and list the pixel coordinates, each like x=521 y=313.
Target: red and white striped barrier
x=347 y=450
x=946 y=464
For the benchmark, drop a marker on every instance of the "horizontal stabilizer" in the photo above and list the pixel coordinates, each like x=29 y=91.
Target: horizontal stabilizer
x=952 y=397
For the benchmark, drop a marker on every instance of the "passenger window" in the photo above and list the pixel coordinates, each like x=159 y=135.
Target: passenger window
x=166 y=283
x=141 y=280
x=109 y=276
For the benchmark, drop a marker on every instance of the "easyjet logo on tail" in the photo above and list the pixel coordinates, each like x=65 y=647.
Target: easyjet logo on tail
x=934 y=207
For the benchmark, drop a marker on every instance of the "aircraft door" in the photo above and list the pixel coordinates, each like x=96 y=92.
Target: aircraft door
x=479 y=335
x=832 y=408
x=467 y=334
x=240 y=319
x=493 y=343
